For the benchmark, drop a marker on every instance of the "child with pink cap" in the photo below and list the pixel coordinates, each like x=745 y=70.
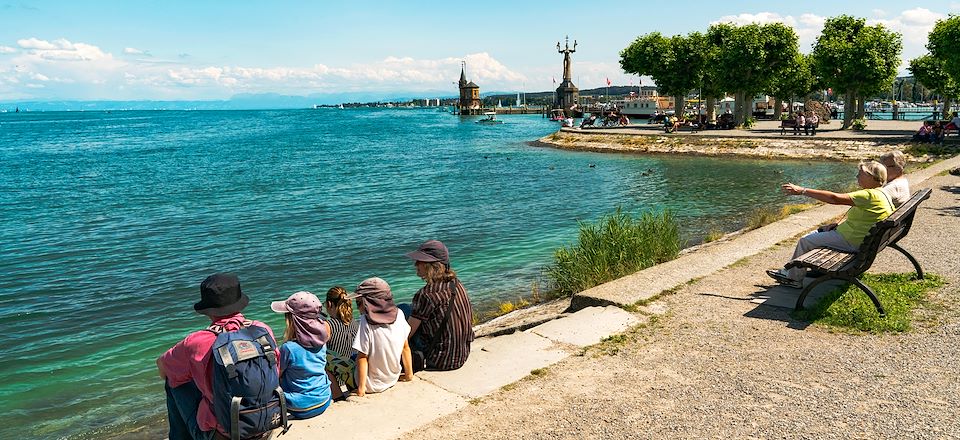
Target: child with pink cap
x=303 y=355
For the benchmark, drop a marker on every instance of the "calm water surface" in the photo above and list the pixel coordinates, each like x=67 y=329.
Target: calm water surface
x=111 y=220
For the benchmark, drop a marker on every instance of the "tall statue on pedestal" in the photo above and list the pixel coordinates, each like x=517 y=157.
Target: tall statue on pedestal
x=567 y=94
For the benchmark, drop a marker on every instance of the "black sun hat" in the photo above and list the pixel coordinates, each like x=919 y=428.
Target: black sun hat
x=220 y=295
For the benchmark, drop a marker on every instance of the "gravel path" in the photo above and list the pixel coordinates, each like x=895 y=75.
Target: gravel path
x=717 y=365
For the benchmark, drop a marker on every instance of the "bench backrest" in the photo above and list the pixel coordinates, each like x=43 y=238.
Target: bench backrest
x=888 y=231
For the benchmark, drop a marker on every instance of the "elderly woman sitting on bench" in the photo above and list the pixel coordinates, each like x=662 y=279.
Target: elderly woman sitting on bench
x=867 y=206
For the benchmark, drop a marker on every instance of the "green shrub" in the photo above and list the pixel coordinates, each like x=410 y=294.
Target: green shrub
x=713 y=235
x=858 y=124
x=749 y=122
x=618 y=244
x=761 y=216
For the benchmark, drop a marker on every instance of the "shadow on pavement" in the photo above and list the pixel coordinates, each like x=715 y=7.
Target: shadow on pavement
x=777 y=302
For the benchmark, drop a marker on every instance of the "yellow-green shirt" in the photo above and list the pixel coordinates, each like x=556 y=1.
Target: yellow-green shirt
x=869 y=207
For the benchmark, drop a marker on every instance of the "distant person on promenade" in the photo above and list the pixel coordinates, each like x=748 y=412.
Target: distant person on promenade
x=341 y=357
x=923 y=134
x=954 y=123
x=441 y=319
x=381 y=341
x=811 y=123
x=186 y=367
x=897 y=186
x=303 y=355
x=867 y=206
x=936 y=133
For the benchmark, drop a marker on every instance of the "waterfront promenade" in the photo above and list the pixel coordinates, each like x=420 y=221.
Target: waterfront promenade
x=877 y=130
x=717 y=357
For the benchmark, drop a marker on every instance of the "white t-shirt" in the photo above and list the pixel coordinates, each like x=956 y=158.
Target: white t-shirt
x=383 y=345
x=899 y=191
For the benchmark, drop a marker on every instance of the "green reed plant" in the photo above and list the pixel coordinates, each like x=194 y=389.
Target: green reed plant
x=618 y=244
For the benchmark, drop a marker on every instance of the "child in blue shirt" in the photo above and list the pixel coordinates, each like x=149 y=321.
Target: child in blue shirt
x=303 y=356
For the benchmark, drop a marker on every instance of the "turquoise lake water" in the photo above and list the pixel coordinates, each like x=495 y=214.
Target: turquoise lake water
x=112 y=219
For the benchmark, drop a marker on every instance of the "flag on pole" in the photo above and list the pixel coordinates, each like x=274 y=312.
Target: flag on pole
x=608 y=81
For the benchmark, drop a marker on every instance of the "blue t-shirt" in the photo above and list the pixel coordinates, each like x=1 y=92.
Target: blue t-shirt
x=303 y=376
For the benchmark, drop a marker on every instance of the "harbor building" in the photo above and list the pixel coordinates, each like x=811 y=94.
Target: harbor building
x=469 y=94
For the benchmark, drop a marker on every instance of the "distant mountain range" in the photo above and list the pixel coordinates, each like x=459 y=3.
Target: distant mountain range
x=252 y=101
x=236 y=102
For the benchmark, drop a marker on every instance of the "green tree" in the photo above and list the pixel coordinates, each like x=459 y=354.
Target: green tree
x=749 y=58
x=856 y=60
x=930 y=71
x=942 y=44
x=795 y=80
x=675 y=63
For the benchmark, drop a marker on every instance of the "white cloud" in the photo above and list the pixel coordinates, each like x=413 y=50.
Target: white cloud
x=62 y=49
x=6 y=49
x=914 y=24
x=132 y=51
x=807 y=26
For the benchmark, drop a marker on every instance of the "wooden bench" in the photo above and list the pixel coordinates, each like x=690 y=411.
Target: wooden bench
x=682 y=127
x=787 y=123
x=848 y=266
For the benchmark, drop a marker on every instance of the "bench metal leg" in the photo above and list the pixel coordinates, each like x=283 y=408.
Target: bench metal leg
x=806 y=290
x=873 y=297
x=916 y=265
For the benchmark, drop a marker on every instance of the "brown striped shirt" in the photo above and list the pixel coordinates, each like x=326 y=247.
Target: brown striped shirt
x=452 y=345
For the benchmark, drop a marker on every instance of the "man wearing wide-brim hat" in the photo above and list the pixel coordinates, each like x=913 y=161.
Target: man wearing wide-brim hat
x=441 y=319
x=185 y=367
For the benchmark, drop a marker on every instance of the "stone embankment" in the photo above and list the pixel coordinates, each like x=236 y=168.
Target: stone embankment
x=762 y=142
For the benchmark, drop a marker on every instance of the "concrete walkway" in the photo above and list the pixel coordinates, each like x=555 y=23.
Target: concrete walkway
x=496 y=362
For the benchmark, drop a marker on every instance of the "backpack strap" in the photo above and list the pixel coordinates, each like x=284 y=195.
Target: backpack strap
x=217 y=329
x=267 y=349
x=228 y=362
x=283 y=411
x=235 y=418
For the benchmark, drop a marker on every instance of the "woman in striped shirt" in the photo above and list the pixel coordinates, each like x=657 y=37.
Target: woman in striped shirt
x=441 y=322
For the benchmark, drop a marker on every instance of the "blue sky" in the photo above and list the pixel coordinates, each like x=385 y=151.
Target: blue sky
x=188 y=50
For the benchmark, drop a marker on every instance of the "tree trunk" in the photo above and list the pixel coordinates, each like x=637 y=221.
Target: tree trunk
x=777 y=108
x=849 y=107
x=946 y=108
x=679 y=103
x=861 y=107
x=711 y=108
x=741 y=104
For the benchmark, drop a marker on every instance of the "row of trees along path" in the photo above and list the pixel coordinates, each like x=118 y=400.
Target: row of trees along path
x=855 y=60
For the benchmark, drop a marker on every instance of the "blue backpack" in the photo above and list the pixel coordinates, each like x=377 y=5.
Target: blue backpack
x=247 y=398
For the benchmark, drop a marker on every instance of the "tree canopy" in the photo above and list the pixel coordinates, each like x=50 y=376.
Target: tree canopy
x=675 y=63
x=930 y=71
x=855 y=59
x=942 y=44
